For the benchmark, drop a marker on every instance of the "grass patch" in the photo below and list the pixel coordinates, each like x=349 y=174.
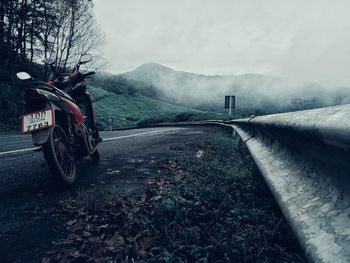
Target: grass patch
x=213 y=209
x=140 y=111
x=98 y=93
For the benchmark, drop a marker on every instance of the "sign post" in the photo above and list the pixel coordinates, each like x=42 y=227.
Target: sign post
x=230 y=103
x=109 y=121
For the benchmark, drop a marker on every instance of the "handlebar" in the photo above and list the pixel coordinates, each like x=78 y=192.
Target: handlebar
x=88 y=74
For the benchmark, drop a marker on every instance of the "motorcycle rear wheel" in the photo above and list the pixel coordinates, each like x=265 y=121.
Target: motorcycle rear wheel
x=60 y=160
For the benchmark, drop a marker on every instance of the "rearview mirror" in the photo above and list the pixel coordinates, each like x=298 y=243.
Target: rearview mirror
x=85 y=58
x=23 y=76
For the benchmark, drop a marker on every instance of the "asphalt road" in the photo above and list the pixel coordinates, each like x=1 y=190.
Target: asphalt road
x=22 y=165
x=26 y=186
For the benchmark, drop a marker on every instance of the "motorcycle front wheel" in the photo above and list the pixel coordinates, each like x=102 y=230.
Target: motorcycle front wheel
x=60 y=160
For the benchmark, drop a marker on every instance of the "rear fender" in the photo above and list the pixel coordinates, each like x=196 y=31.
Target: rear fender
x=40 y=137
x=61 y=109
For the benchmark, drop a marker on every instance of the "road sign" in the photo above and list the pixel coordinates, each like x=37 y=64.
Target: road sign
x=109 y=121
x=230 y=103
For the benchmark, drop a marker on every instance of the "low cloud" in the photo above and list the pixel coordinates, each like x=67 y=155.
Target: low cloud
x=300 y=40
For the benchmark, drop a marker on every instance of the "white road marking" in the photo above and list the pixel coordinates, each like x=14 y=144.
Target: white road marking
x=19 y=151
x=139 y=134
x=104 y=140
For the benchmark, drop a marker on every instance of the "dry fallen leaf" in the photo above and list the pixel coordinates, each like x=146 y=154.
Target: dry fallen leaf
x=86 y=233
x=199 y=154
x=115 y=243
x=71 y=222
x=103 y=226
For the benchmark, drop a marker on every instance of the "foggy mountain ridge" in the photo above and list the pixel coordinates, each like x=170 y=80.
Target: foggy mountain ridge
x=151 y=71
x=253 y=91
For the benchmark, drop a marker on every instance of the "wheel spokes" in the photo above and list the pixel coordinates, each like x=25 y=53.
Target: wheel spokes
x=64 y=158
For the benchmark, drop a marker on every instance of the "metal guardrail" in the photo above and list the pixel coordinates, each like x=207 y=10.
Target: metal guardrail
x=304 y=157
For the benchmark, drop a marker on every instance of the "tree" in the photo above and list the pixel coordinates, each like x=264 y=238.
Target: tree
x=36 y=29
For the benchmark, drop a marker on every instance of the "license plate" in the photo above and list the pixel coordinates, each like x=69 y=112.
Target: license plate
x=37 y=120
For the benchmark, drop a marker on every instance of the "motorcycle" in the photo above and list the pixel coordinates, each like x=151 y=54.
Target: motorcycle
x=57 y=115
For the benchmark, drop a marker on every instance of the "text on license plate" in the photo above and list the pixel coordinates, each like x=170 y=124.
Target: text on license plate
x=37 y=120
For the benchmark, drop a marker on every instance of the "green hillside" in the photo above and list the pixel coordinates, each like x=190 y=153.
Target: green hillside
x=129 y=103
x=138 y=110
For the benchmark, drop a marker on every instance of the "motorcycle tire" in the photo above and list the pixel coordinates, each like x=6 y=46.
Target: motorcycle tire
x=95 y=157
x=60 y=160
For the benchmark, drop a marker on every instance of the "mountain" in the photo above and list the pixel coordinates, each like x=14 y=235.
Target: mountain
x=195 y=89
x=257 y=92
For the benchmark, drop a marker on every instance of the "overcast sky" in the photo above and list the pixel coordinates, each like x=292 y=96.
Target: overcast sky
x=303 y=39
